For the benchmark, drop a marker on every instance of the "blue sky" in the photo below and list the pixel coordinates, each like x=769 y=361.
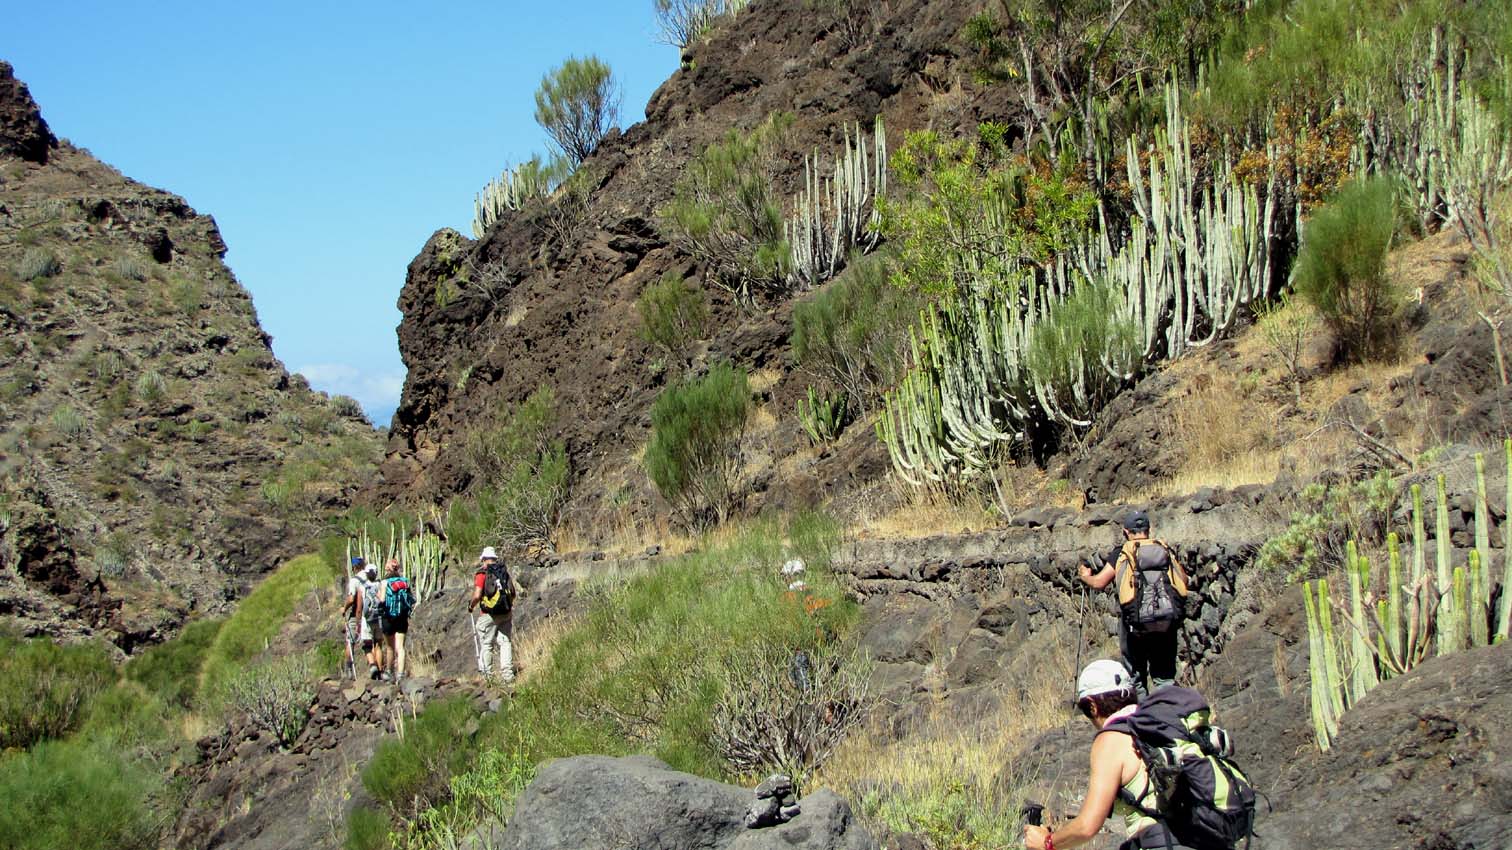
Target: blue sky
x=328 y=139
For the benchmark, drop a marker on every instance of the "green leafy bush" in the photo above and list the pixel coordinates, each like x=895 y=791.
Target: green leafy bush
x=853 y=334
x=728 y=216
x=824 y=415
x=48 y=688
x=1080 y=351
x=37 y=263
x=1324 y=519
x=971 y=217
x=78 y=795
x=275 y=695
x=367 y=830
x=521 y=480
x=129 y=268
x=172 y=669
x=577 y=105
x=694 y=454
x=411 y=773
x=1341 y=269
x=257 y=620
x=673 y=314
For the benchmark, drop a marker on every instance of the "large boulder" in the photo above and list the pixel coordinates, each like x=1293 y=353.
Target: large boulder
x=639 y=803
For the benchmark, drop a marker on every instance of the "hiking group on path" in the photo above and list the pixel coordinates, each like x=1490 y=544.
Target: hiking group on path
x=376 y=615
x=1157 y=763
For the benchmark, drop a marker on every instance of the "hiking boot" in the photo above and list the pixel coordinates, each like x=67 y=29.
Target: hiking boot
x=373 y=672
x=383 y=676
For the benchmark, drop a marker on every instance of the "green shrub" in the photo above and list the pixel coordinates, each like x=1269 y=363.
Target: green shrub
x=276 y=695
x=367 y=830
x=726 y=213
x=37 y=263
x=48 y=688
x=673 y=314
x=172 y=669
x=694 y=454
x=577 y=105
x=67 y=421
x=411 y=773
x=853 y=334
x=129 y=268
x=257 y=620
x=150 y=385
x=1341 y=269
x=1079 y=344
x=824 y=415
x=1324 y=519
x=347 y=408
x=521 y=480
x=77 y=795
x=971 y=218
x=186 y=296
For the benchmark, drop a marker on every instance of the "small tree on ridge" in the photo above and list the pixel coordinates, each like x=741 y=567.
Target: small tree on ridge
x=577 y=105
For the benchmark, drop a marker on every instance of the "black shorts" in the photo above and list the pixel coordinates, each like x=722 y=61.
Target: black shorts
x=395 y=625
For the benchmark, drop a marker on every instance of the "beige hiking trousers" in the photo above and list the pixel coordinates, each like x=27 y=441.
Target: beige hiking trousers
x=496 y=629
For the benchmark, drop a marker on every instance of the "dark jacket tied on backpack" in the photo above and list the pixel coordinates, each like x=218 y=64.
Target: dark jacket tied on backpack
x=1202 y=800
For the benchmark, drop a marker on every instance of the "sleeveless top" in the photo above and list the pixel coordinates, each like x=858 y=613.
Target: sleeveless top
x=1138 y=788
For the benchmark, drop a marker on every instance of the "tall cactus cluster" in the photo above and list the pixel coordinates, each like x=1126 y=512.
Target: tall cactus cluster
x=1392 y=622
x=834 y=214
x=1198 y=253
x=421 y=557
x=511 y=190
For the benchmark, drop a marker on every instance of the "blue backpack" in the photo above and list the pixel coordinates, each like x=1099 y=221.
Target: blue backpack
x=399 y=600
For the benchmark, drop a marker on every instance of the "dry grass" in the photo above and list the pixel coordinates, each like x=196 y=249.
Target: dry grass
x=952 y=780
x=921 y=513
x=533 y=646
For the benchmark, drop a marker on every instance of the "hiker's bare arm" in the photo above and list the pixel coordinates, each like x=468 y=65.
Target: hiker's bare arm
x=1099 y=579
x=1107 y=773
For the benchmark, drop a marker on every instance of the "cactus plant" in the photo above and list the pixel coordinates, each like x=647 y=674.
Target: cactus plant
x=823 y=415
x=832 y=215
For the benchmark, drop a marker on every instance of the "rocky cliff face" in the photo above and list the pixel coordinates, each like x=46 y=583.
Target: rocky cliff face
x=563 y=313
x=155 y=457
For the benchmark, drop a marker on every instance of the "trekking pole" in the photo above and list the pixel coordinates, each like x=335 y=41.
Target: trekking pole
x=1081 y=623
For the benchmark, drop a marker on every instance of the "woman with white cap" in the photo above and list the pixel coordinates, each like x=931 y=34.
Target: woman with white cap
x=1105 y=694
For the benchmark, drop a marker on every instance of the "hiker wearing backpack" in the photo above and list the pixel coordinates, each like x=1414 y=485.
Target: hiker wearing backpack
x=396 y=601
x=1152 y=587
x=353 y=625
x=1158 y=766
x=363 y=592
x=493 y=595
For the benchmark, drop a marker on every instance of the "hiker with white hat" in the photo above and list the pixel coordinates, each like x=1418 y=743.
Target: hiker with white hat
x=493 y=595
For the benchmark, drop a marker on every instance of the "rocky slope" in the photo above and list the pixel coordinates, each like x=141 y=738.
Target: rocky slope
x=155 y=457
x=565 y=315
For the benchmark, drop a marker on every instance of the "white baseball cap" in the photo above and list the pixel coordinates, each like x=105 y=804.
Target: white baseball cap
x=793 y=567
x=488 y=552
x=1103 y=676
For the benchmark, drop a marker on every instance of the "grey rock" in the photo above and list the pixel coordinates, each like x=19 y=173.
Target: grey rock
x=635 y=803
x=764 y=812
x=778 y=785
x=825 y=823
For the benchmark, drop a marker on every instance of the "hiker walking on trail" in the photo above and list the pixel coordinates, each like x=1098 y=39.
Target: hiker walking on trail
x=364 y=624
x=353 y=625
x=1194 y=797
x=493 y=595
x=1152 y=587
x=397 y=600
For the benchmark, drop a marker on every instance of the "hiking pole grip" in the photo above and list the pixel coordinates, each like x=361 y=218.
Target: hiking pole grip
x=1032 y=813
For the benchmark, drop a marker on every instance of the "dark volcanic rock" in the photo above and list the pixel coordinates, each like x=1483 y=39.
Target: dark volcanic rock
x=1424 y=761
x=23 y=133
